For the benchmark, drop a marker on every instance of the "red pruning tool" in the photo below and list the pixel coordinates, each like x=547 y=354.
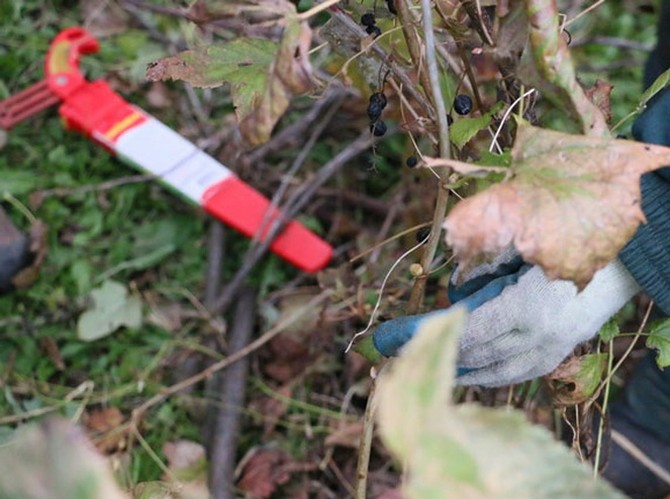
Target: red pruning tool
x=137 y=138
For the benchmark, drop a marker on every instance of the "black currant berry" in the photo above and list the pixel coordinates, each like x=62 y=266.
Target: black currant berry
x=422 y=234
x=378 y=128
x=411 y=161
x=376 y=106
x=373 y=30
x=368 y=19
x=462 y=104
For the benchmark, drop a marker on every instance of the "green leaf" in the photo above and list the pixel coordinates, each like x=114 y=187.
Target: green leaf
x=464 y=129
x=262 y=74
x=17 y=182
x=659 y=84
x=468 y=450
x=112 y=308
x=659 y=338
x=609 y=330
x=241 y=62
x=577 y=379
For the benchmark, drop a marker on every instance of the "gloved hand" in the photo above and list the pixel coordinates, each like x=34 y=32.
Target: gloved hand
x=521 y=325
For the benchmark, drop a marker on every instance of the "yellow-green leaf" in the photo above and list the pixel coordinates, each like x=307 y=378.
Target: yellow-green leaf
x=659 y=338
x=468 y=450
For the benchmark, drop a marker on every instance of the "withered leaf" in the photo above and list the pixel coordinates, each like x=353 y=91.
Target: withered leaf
x=266 y=469
x=103 y=427
x=262 y=75
x=599 y=94
x=571 y=203
x=577 y=379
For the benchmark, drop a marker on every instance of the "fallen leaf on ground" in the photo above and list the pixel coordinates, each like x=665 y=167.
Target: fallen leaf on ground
x=272 y=408
x=112 y=308
x=49 y=347
x=267 y=469
x=182 y=454
x=571 y=204
x=102 y=422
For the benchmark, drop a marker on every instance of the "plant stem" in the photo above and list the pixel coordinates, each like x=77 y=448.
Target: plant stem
x=554 y=64
x=416 y=296
x=603 y=413
x=365 y=446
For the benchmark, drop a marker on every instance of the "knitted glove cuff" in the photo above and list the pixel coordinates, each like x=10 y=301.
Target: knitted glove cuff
x=647 y=255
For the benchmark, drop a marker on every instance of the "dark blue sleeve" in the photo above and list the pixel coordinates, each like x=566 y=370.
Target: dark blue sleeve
x=647 y=255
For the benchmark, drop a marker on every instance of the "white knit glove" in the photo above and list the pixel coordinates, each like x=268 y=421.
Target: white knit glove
x=531 y=326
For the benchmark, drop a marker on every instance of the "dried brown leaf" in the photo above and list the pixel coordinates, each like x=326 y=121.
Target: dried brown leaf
x=577 y=379
x=262 y=77
x=266 y=470
x=599 y=94
x=290 y=73
x=571 y=204
x=49 y=347
x=272 y=408
x=101 y=424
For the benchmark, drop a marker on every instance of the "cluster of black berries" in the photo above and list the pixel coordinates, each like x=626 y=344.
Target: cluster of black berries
x=375 y=107
x=368 y=20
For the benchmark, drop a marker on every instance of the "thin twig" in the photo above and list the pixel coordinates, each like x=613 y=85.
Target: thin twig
x=225 y=434
x=319 y=7
x=82 y=389
x=365 y=445
x=298 y=201
x=300 y=159
x=293 y=134
x=608 y=381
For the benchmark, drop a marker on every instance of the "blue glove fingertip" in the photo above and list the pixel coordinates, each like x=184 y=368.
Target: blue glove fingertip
x=391 y=336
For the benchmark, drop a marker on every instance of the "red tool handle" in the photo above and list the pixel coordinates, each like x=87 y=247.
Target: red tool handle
x=62 y=61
